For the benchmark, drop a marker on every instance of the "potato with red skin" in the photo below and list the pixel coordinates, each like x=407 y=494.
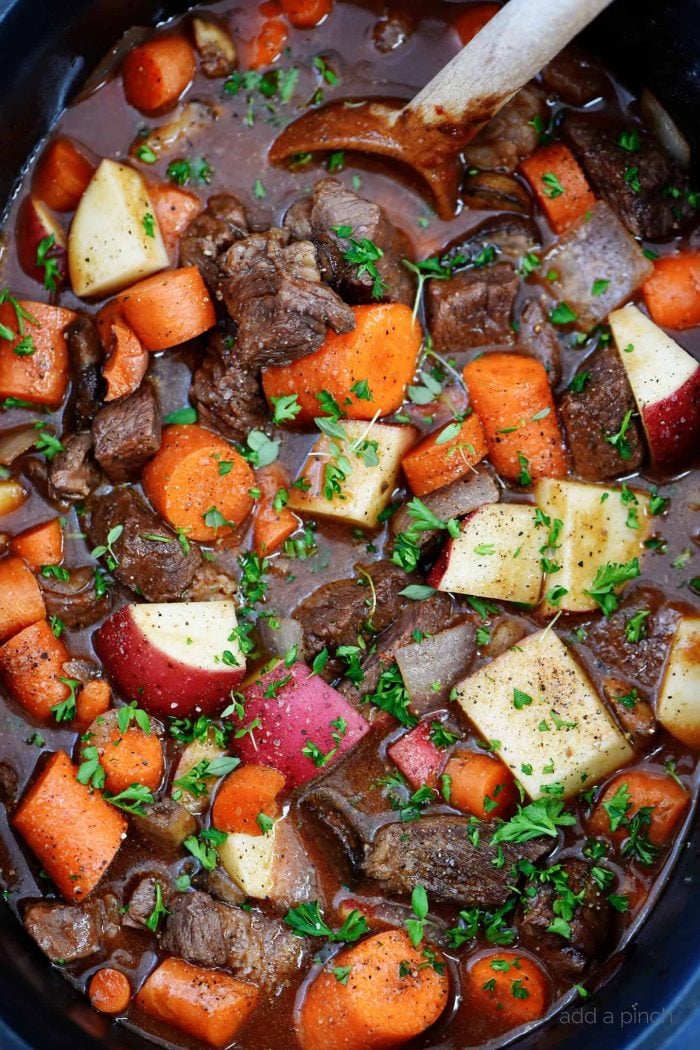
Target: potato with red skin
x=34 y=224
x=417 y=756
x=179 y=658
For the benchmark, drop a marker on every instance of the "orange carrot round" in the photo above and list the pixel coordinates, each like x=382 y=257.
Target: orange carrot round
x=305 y=14
x=672 y=293
x=667 y=799
x=157 y=72
x=132 y=757
x=61 y=175
x=21 y=603
x=243 y=795
x=390 y=996
x=512 y=397
x=480 y=785
x=473 y=18
x=169 y=308
x=269 y=43
x=40 y=545
x=199 y=483
x=92 y=701
x=559 y=184
x=510 y=988
x=31 y=666
x=435 y=462
x=272 y=527
x=377 y=358
x=110 y=991
x=41 y=376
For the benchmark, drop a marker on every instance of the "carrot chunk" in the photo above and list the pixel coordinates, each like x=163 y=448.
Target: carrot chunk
x=559 y=184
x=666 y=799
x=62 y=175
x=366 y=370
x=131 y=757
x=246 y=793
x=199 y=483
x=127 y=357
x=110 y=991
x=672 y=293
x=480 y=785
x=93 y=700
x=209 y=1005
x=269 y=43
x=40 y=545
x=175 y=209
x=512 y=398
x=34 y=364
x=510 y=988
x=70 y=828
x=305 y=14
x=157 y=72
x=169 y=308
x=389 y=998
x=472 y=19
x=273 y=524
x=21 y=603
x=444 y=456
x=31 y=665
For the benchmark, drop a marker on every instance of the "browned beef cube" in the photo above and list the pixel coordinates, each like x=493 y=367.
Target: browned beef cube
x=472 y=308
x=126 y=433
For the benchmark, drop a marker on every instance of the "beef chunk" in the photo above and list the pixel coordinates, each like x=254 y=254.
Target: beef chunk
x=220 y=886
x=576 y=77
x=126 y=433
x=273 y=291
x=227 y=393
x=633 y=712
x=455 y=500
x=509 y=136
x=591 y=926
x=73 y=474
x=635 y=184
x=334 y=206
x=158 y=570
x=336 y=613
x=75 y=600
x=88 y=388
x=294 y=878
x=165 y=822
x=8 y=784
x=66 y=932
x=143 y=901
x=438 y=853
x=208 y=933
x=211 y=233
x=472 y=308
x=595 y=413
x=538 y=338
x=640 y=662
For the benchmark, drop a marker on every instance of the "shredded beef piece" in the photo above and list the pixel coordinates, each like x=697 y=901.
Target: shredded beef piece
x=596 y=413
x=75 y=600
x=211 y=233
x=273 y=291
x=127 y=433
x=88 y=386
x=72 y=475
x=227 y=393
x=438 y=853
x=335 y=206
x=158 y=570
x=473 y=308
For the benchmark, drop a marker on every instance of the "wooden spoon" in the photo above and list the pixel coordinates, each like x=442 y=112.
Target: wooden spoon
x=429 y=132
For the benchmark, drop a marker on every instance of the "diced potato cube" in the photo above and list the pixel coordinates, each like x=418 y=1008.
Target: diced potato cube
x=678 y=705
x=195 y=752
x=249 y=859
x=373 y=455
x=553 y=731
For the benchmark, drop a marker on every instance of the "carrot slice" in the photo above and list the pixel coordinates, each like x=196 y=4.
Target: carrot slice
x=246 y=793
x=93 y=700
x=209 y=1005
x=305 y=14
x=378 y=358
x=513 y=399
x=127 y=358
x=62 y=175
x=510 y=988
x=480 y=785
x=132 y=757
x=72 y=831
x=272 y=527
x=445 y=455
x=660 y=792
x=40 y=545
x=196 y=476
x=672 y=293
x=559 y=184
x=157 y=72
x=31 y=665
x=110 y=991
x=472 y=19
x=269 y=42
x=377 y=1006
x=21 y=603
x=169 y=308
x=34 y=365
x=175 y=209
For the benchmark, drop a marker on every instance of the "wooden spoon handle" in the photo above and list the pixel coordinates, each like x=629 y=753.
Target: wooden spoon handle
x=511 y=48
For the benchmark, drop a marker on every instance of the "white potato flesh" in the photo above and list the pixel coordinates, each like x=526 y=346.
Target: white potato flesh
x=249 y=860
x=560 y=732
x=192 y=633
x=657 y=367
x=114 y=238
x=678 y=705
x=496 y=555
x=367 y=490
x=597 y=528
x=196 y=752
